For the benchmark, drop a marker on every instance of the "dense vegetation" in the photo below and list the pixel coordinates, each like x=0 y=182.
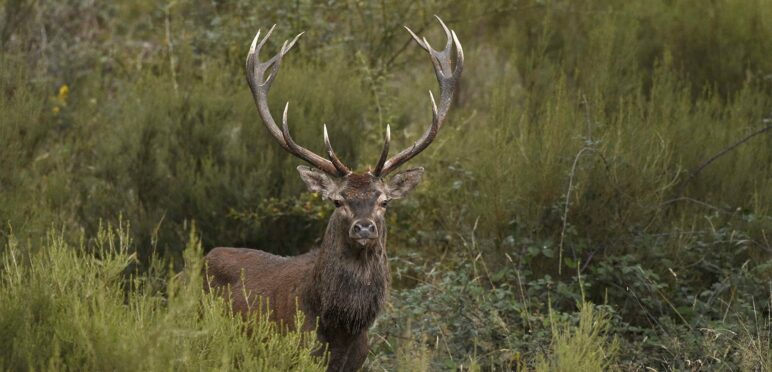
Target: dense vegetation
x=585 y=206
x=66 y=308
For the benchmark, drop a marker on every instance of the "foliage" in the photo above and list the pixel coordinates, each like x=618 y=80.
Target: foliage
x=73 y=308
x=575 y=150
x=507 y=318
x=583 y=347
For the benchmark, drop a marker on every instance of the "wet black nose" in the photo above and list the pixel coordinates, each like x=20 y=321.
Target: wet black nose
x=363 y=229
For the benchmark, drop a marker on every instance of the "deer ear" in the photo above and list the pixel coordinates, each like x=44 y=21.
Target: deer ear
x=403 y=182
x=317 y=181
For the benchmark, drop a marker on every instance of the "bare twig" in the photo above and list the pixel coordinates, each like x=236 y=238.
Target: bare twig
x=695 y=201
x=587 y=262
x=565 y=208
x=721 y=153
x=589 y=146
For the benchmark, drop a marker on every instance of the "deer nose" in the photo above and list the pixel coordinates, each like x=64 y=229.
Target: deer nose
x=363 y=229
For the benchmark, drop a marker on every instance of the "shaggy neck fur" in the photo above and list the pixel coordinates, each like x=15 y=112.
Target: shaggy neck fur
x=350 y=283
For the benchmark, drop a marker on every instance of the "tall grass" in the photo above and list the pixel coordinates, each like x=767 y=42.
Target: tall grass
x=69 y=307
x=582 y=142
x=543 y=82
x=581 y=347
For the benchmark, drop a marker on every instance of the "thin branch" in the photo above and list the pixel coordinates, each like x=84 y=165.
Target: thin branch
x=699 y=202
x=719 y=154
x=565 y=209
x=589 y=146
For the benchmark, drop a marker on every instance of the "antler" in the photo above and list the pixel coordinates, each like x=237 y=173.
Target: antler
x=260 y=85
x=448 y=80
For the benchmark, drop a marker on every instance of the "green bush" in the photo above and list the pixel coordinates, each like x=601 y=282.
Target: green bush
x=454 y=310
x=583 y=347
x=70 y=308
x=583 y=141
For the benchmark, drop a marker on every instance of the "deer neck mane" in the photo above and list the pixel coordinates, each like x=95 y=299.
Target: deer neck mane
x=350 y=284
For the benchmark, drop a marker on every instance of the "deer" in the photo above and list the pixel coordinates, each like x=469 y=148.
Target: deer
x=342 y=285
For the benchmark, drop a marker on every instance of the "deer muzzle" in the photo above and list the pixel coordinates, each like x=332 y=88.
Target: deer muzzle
x=363 y=231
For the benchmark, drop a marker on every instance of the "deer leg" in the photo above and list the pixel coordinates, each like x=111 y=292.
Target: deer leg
x=338 y=354
x=357 y=352
x=347 y=352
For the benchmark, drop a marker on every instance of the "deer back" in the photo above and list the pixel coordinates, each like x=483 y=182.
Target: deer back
x=257 y=280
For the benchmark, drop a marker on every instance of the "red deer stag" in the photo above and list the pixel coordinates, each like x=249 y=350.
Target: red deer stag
x=342 y=285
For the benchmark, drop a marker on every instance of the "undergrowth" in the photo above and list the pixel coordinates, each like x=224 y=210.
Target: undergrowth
x=79 y=307
x=626 y=144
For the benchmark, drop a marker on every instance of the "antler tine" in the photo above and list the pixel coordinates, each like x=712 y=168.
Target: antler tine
x=341 y=168
x=448 y=78
x=294 y=147
x=434 y=108
x=328 y=166
x=459 y=56
x=260 y=85
x=447 y=31
x=416 y=38
x=384 y=153
x=292 y=43
x=267 y=35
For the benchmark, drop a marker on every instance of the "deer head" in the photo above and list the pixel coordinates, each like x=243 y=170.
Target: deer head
x=360 y=199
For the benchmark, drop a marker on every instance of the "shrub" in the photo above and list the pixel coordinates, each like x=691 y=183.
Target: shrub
x=73 y=308
x=583 y=141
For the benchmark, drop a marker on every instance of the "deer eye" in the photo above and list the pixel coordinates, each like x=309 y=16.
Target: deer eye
x=384 y=204
x=338 y=203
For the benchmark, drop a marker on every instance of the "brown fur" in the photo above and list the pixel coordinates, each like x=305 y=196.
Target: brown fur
x=342 y=284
